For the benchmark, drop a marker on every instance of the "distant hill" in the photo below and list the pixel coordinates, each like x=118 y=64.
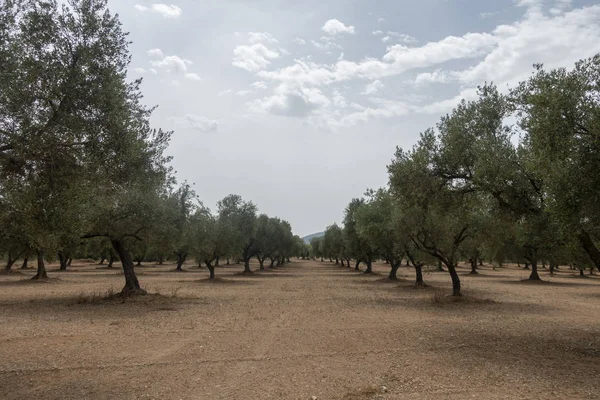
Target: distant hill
x=308 y=237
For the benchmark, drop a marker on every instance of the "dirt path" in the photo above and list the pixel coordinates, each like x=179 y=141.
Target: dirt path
x=308 y=329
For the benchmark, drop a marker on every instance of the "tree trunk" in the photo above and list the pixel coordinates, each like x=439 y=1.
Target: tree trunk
x=551 y=268
x=440 y=267
x=419 y=275
x=211 y=270
x=132 y=285
x=526 y=266
x=261 y=261
x=111 y=260
x=369 y=269
x=247 y=269
x=161 y=259
x=180 y=260
x=9 y=264
x=272 y=262
x=356 y=266
x=534 y=272
x=590 y=248
x=322 y=259
x=393 y=276
x=41 y=268
x=70 y=261
x=337 y=261
x=24 y=266
x=473 y=266
x=102 y=259
x=228 y=263
x=480 y=262
x=348 y=262
x=63 y=261
x=407 y=262
x=455 y=280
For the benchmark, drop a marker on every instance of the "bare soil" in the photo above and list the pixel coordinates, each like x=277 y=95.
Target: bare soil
x=303 y=330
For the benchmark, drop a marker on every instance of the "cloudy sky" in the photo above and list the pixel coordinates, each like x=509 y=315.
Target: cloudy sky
x=299 y=105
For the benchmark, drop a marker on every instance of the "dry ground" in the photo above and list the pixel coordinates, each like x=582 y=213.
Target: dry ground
x=307 y=329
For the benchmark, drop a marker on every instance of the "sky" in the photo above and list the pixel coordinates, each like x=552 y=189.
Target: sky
x=299 y=105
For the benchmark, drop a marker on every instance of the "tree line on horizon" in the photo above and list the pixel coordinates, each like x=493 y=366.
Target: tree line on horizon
x=82 y=172
x=506 y=177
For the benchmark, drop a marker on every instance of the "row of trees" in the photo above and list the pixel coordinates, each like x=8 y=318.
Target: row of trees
x=79 y=160
x=507 y=177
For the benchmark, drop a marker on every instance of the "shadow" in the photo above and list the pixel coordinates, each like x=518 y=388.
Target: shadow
x=543 y=283
x=31 y=282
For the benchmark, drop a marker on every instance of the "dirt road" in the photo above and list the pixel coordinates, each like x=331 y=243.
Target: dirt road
x=308 y=329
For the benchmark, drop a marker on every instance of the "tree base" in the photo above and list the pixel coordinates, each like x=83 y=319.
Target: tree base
x=128 y=292
x=473 y=273
x=40 y=278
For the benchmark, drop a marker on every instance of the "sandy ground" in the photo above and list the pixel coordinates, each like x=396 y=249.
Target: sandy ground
x=307 y=329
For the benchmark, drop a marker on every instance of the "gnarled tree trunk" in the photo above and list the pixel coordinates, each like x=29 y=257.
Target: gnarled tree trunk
x=41 y=267
x=419 y=275
x=369 y=269
x=473 y=262
x=393 y=276
x=455 y=279
x=211 y=270
x=247 y=269
x=64 y=260
x=357 y=265
x=132 y=285
x=25 y=262
x=180 y=261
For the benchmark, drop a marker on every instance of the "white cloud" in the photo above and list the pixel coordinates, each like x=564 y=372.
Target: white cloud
x=326 y=43
x=291 y=101
x=172 y=64
x=555 y=41
x=380 y=20
x=385 y=39
x=254 y=57
x=197 y=122
x=243 y=92
x=300 y=41
x=437 y=76
x=225 y=92
x=561 y=6
x=155 y=53
x=258 y=37
x=166 y=10
x=402 y=37
x=373 y=87
x=260 y=85
x=334 y=27
x=192 y=76
x=153 y=71
x=503 y=56
x=139 y=70
x=377 y=32
x=398 y=59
